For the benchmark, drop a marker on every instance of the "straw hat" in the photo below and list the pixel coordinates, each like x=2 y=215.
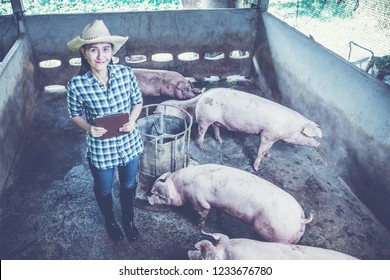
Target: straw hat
x=96 y=32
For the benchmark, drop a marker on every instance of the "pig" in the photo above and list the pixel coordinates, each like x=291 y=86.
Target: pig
x=275 y=214
x=241 y=111
x=188 y=105
x=248 y=249
x=164 y=83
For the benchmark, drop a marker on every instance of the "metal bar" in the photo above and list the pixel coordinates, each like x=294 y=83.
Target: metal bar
x=364 y=48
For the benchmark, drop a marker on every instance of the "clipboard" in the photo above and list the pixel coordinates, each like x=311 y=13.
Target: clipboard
x=112 y=123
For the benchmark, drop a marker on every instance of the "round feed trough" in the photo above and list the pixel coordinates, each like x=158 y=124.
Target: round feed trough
x=165 y=130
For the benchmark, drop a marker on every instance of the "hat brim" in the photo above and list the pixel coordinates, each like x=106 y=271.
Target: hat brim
x=116 y=41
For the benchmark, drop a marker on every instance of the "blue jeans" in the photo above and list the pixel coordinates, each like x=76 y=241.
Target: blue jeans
x=103 y=178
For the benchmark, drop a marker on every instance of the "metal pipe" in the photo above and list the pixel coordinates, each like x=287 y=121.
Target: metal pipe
x=18 y=11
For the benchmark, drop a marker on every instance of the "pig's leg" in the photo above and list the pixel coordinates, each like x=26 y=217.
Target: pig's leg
x=202 y=129
x=202 y=207
x=264 y=147
x=217 y=133
x=202 y=217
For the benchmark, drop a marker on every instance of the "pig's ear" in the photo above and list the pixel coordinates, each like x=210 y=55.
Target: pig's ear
x=198 y=244
x=219 y=237
x=182 y=85
x=207 y=250
x=163 y=177
x=194 y=255
x=160 y=191
x=312 y=130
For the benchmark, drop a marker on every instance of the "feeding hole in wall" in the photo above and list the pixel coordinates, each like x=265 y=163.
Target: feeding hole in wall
x=115 y=60
x=50 y=63
x=235 y=78
x=54 y=89
x=162 y=57
x=75 y=61
x=188 y=56
x=135 y=58
x=214 y=55
x=212 y=79
x=238 y=54
x=191 y=79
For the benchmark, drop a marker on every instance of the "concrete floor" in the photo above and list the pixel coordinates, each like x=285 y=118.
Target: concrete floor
x=48 y=209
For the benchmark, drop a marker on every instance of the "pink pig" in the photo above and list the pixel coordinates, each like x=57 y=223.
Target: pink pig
x=247 y=249
x=164 y=83
x=241 y=111
x=170 y=107
x=274 y=214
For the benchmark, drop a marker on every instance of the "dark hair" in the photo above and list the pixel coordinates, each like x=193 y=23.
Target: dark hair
x=85 y=67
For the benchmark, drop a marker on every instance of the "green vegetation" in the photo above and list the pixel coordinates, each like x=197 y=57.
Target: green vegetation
x=34 y=7
x=321 y=9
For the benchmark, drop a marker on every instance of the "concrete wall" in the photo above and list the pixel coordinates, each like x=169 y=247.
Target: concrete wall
x=149 y=33
x=351 y=107
x=17 y=97
x=8 y=34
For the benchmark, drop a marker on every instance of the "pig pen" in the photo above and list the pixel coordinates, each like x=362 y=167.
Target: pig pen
x=45 y=216
x=48 y=210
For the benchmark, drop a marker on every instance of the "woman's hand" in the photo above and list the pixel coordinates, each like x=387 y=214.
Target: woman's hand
x=97 y=131
x=82 y=123
x=128 y=127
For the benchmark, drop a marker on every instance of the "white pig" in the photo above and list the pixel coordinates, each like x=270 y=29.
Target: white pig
x=274 y=214
x=241 y=111
x=164 y=83
x=248 y=249
x=188 y=105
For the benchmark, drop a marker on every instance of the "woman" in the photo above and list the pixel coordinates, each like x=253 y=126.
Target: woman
x=101 y=89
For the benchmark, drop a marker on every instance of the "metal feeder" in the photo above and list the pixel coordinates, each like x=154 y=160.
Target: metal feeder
x=165 y=130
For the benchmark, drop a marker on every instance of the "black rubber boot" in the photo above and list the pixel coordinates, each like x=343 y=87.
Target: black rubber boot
x=105 y=205
x=127 y=197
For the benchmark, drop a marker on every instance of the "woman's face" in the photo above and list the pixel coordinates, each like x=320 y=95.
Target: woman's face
x=98 y=55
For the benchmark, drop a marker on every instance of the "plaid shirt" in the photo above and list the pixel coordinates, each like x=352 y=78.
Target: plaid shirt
x=87 y=93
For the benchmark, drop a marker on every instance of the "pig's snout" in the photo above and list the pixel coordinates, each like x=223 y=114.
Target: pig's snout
x=151 y=200
x=188 y=94
x=197 y=90
x=314 y=143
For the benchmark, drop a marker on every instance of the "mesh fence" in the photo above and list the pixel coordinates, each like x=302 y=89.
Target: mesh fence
x=354 y=29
